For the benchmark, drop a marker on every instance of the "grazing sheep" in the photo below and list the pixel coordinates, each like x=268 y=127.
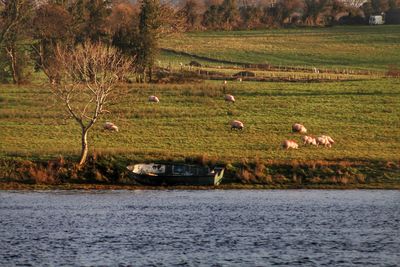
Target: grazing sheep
x=154 y=99
x=237 y=125
x=325 y=140
x=110 y=126
x=229 y=98
x=308 y=140
x=239 y=80
x=299 y=128
x=290 y=144
x=225 y=82
x=329 y=139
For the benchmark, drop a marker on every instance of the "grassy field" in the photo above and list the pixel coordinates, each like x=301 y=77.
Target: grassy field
x=347 y=47
x=193 y=120
x=361 y=111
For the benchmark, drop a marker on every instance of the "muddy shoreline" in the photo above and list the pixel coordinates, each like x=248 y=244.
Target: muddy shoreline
x=18 y=186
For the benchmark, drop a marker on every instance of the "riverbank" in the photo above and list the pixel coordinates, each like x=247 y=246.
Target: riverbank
x=106 y=172
x=15 y=186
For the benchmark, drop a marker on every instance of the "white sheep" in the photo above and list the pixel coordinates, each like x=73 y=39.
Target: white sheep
x=290 y=144
x=299 y=128
x=110 y=126
x=154 y=99
x=325 y=140
x=329 y=139
x=308 y=140
x=239 y=80
x=237 y=125
x=229 y=98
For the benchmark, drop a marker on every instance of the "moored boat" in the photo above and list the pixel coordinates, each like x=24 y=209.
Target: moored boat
x=175 y=174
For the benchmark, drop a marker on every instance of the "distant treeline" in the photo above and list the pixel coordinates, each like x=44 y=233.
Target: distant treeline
x=247 y=14
x=30 y=30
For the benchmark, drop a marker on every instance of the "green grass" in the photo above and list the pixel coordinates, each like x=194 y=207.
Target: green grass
x=348 y=47
x=362 y=116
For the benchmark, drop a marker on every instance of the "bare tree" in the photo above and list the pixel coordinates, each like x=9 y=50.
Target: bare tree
x=86 y=82
x=314 y=11
x=171 y=19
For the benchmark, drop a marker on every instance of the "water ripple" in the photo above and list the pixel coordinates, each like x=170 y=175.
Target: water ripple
x=200 y=228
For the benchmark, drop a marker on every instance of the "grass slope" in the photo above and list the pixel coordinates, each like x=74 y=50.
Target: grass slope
x=348 y=47
x=362 y=116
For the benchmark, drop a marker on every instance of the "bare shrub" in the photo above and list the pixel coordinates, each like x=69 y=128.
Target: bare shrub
x=181 y=77
x=315 y=180
x=279 y=178
x=42 y=175
x=259 y=171
x=361 y=178
x=51 y=172
x=393 y=71
x=246 y=176
x=343 y=180
x=267 y=179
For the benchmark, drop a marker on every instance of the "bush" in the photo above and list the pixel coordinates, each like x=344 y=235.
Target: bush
x=177 y=77
x=393 y=71
x=245 y=74
x=194 y=63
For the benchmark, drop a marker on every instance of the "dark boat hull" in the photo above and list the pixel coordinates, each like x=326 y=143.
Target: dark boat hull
x=175 y=180
x=175 y=174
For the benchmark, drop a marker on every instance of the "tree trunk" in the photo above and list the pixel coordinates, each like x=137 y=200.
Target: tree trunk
x=150 y=74
x=13 y=61
x=85 y=147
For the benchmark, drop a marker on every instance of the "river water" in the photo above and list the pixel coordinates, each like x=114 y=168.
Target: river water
x=200 y=228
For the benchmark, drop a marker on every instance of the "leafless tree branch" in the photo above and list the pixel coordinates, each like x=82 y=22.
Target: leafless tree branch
x=87 y=78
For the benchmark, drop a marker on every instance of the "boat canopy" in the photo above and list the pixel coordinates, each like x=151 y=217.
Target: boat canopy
x=150 y=168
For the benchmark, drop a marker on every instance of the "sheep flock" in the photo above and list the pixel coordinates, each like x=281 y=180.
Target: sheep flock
x=307 y=140
x=323 y=140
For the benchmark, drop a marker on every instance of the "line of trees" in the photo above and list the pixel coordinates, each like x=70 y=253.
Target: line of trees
x=31 y=29
x=253 y=14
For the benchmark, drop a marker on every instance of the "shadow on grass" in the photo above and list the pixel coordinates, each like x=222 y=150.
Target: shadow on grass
x=296 y=94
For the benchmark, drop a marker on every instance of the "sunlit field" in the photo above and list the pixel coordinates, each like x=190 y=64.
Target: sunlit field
x=361 y=112
x=193 y=120
x=349 y=47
